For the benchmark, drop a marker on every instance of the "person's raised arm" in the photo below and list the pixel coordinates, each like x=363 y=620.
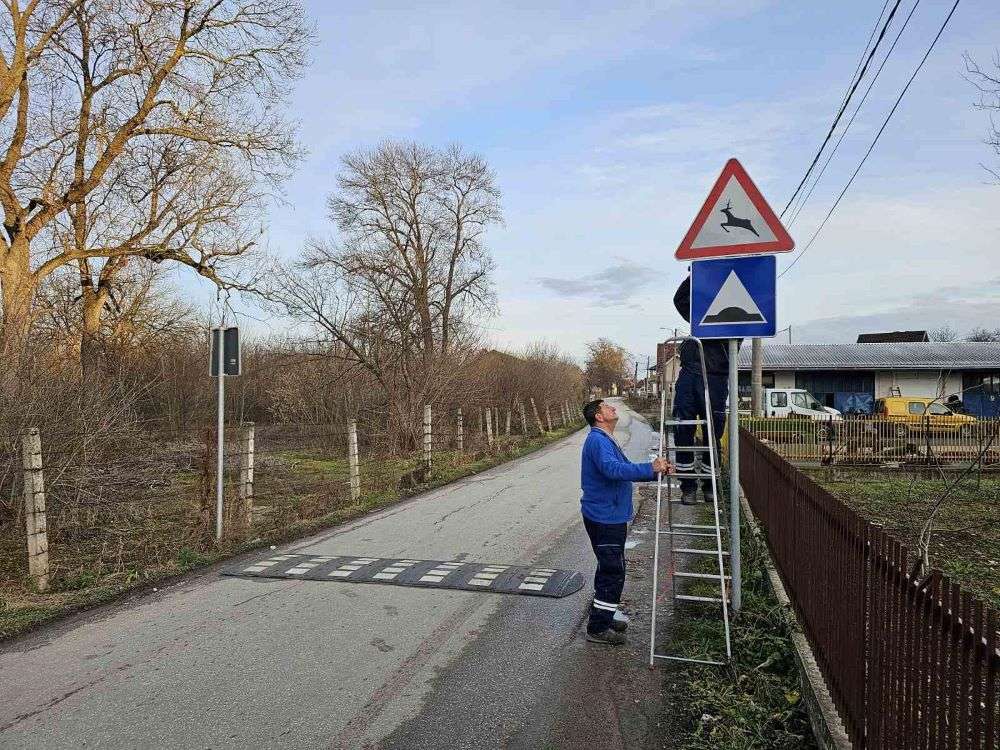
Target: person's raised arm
x=612 y=466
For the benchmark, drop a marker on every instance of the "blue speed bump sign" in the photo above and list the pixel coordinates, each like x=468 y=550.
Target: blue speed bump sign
x=734 y=297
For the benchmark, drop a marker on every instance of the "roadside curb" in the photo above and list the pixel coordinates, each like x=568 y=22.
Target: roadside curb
x=828 y=729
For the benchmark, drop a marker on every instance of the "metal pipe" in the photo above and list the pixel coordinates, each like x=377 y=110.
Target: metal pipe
x=221 y=426
x=656 y=539
x=734 y=476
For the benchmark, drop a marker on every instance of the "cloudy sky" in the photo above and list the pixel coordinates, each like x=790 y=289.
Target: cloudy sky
x=607 y=125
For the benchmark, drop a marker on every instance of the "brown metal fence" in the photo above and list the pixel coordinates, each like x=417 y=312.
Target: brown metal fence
x=911 y=662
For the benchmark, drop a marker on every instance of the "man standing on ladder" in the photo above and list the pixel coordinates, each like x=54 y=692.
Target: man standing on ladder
x=689 y=396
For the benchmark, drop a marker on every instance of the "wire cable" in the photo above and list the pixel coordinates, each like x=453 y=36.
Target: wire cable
x=861 y=57
x=850 y=122
x=874 y=141
x=843 y=108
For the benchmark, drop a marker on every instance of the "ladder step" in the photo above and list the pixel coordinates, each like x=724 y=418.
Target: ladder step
x=692 y=526
x=690 y=448
x=687 y=533
x=689 y=661
x=690 y=476
x=709 y=599
x=713 y=576
x=685 y=550
x=684 y=422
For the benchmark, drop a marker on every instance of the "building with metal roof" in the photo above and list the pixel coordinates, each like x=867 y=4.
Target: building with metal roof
x=850 y=377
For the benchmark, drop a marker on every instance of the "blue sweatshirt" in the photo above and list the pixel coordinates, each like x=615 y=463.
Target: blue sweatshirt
x=606 y=477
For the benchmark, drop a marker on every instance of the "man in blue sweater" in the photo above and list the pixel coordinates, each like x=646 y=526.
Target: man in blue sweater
x=606 y=477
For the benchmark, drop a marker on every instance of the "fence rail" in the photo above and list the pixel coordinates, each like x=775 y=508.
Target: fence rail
x=911 y=662
x=864 y=441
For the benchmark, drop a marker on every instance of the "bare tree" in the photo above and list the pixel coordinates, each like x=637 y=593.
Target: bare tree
x=139 y=308
x=987 y=83
x=981 y=333
x=110 y=103
x=412 y=223
x=944 y=333
x=397 y=293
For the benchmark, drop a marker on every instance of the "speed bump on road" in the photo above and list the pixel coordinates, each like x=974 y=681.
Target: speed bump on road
x=434 y=574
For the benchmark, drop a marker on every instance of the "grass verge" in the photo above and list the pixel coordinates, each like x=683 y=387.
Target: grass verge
x=22 y=609
x=754 y=703
x=965 y=543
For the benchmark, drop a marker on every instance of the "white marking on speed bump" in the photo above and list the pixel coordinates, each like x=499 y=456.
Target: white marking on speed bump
x=531 y=586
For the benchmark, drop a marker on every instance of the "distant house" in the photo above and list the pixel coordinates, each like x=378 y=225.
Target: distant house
x=894 y=337
x=849 y=377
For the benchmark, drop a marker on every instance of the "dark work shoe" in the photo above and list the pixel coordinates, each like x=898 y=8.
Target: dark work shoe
x=708 y=495
x=619 y=626
x=688 y=497
x=609 y=637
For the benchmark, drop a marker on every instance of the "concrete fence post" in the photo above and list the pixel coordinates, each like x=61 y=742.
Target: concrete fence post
x=548 y=418
x=489 y=426
x=352 y=459
x=538 y=419
x=506 y=427
x=427 y=435
x=459 y=433
x=34 y=508
x=246 y=474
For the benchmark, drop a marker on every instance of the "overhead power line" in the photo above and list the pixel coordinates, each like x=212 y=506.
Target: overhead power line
x=843 y=107
x=850 y=84
x=878 y=135
x=871 y=84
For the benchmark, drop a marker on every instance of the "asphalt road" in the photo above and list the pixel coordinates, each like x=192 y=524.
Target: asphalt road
x=218 y=662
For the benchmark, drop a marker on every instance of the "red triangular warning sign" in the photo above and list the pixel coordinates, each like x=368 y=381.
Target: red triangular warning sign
x=735 y=220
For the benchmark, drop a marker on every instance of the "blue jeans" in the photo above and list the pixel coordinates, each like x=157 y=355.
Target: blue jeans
x=689 y=403
x=608 y=542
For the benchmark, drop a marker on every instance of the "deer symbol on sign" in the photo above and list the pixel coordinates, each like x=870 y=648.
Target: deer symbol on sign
x=735 y=221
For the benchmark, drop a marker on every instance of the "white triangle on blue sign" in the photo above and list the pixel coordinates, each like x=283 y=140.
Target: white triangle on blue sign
x=733 y=305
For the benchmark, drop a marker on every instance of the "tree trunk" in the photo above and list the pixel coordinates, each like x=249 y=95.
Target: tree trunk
x=17 y=287
x=90 y=331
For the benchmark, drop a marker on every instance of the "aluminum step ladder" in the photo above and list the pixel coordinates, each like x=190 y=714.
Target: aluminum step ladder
x=691 y=537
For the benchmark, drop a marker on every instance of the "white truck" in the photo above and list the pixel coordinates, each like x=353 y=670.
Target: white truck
x=796 y=402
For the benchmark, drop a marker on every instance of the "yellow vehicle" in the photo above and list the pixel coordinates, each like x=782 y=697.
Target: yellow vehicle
x=916 y=414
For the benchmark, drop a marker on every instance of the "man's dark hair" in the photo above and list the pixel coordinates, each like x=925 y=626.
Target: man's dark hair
x=590 y=410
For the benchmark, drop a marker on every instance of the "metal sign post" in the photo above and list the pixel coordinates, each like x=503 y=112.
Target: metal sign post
x=220 y=429
x=736 y=590
x=224 y=361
